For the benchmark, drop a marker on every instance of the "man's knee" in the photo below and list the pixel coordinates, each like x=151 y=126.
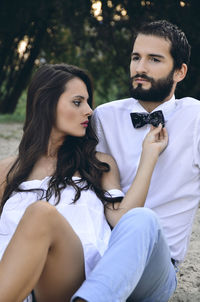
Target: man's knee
x=141 y=216
x=138 y=223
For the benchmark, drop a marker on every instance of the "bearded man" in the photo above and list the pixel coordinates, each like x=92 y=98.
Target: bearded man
x=159 y=61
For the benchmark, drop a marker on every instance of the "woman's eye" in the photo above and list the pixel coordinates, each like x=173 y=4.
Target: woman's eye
x=77 y=103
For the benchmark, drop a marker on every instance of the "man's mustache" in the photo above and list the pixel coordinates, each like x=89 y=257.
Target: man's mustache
x=142 y=76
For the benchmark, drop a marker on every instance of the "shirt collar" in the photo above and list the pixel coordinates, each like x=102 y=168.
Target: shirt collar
x=167 y=107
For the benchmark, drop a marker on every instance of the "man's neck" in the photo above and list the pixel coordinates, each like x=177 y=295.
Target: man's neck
x=150 y=106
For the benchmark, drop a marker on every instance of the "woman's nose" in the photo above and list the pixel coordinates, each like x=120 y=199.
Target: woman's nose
x=89 y=110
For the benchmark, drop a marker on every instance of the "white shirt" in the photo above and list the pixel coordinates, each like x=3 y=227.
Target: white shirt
x=86 y=217
x=175 y=186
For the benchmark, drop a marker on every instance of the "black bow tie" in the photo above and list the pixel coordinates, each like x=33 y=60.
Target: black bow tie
x=141 y=119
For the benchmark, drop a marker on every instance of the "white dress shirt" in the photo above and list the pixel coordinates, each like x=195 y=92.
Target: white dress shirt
x=175 y=186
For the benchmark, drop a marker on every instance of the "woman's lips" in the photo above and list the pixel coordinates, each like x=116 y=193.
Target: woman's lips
x=85 y=124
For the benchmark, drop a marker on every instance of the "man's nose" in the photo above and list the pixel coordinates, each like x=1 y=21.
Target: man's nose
x=141 y=66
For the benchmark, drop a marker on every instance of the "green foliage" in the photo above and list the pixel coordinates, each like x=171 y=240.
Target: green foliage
x=104 y=47
x=20 y=20
x=67 y=31
x=36 y=22
x=19 y=114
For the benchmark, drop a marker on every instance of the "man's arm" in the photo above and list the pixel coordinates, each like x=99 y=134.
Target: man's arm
x=97 y=126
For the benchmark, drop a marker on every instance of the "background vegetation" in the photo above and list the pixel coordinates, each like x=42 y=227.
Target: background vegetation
x=96 y=35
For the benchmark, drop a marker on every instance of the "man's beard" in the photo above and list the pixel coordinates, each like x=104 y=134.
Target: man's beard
x=159 y=90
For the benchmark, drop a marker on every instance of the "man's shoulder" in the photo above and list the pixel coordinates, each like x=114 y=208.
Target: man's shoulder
x=188 y=108
x=122 y=104
x=188 y=102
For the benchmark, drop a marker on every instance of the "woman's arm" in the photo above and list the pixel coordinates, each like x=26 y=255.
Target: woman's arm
x=5 y=166
x=154 y=143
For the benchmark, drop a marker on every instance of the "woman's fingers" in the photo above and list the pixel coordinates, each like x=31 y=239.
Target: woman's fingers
x=156 y=138
x=154 y=133
x=159 y=133
x=164 y=135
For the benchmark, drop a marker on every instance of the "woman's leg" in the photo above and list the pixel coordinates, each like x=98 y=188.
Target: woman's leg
x=45 y=254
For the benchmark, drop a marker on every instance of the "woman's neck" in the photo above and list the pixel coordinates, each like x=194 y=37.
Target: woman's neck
x=45 y=166
x=54 y=143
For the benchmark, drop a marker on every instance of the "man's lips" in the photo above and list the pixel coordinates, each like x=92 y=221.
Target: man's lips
x=140 y=80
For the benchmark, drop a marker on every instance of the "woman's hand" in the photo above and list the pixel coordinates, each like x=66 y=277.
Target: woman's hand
x=155 y=141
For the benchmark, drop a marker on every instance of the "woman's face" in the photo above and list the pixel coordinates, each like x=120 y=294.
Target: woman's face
x=72 y=110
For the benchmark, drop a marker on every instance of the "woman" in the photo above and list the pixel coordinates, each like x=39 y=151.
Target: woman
x=52 y=246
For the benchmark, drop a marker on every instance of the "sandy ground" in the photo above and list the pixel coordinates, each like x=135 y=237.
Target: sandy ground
x=188 y=289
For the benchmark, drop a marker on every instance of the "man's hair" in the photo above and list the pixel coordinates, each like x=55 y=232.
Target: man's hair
x=180 y=48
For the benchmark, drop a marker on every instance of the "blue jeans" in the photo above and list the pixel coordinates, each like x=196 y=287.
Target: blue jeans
x=135 y=267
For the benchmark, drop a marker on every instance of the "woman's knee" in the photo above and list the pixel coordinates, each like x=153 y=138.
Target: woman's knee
x=40 y=209
x=44 y=218
x=39 y=214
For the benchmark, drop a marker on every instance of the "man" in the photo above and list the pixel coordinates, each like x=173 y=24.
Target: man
x=159 y=62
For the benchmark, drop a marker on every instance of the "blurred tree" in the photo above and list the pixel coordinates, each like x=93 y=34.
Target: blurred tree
x=112 y=38
x=19 y=21
x=102 y=43
x=27 y=28
x=96 y=35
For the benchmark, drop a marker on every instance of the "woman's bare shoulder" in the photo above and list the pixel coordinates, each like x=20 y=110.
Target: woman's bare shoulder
x=5 y=165
x=104 y=157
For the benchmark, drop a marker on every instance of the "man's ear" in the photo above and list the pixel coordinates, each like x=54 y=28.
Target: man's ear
x=179 y=74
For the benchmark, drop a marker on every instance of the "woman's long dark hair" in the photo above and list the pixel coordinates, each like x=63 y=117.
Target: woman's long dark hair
x=75 y=154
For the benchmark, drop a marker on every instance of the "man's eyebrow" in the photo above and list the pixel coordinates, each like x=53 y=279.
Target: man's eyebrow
x=156 y=55
x=134 y=54
x=150 y=55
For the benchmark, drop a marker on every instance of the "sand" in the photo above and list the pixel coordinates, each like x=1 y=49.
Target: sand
x=188 y=289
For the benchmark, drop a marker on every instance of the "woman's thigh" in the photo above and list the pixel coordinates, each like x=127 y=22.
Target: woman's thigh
x=45 y=254
x=63 y=272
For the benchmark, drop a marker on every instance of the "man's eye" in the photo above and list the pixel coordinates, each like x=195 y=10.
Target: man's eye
x=135 y=58
x=155 y=60
x=77 y=103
